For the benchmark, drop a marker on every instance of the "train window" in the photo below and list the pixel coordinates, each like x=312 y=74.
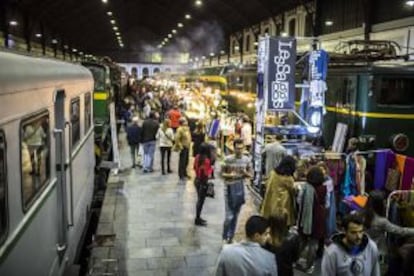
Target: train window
x=3 y=189
x=395 y=91
x=88 y=111
x=98 y=73
x=75 y=120
x=35 y=156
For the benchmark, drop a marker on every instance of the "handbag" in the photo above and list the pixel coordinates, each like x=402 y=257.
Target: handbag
x=210 y=189
x=393 y=179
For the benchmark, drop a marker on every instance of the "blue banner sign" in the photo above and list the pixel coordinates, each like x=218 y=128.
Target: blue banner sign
x=281 y=73
x=318 y=64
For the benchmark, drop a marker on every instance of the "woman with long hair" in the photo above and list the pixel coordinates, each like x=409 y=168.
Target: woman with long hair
x=284 y=242
x=166 y=136
x=198 y=136
x=203 y=170
x=280 y=191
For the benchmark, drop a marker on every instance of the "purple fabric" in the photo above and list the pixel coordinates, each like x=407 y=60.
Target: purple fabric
x=380 y=172
x=408 y=174
x=390 y=161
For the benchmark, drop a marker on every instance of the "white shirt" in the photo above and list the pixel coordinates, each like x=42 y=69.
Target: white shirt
x=246 y=134
x=166 y=138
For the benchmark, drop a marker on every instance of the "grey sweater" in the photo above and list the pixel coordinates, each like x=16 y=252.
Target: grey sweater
x=338 y=261
x=380 y=226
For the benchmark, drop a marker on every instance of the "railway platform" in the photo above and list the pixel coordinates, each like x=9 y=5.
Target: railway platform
x=146 y=226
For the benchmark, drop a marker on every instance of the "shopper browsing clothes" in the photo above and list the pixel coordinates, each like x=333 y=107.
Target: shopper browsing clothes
x=235 y=170
x=203 y=170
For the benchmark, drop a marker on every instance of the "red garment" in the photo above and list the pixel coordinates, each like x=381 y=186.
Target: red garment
x=174 y=115
x=204 y=170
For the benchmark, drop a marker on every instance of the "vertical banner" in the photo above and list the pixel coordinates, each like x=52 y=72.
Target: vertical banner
x=281 y=74
x=262 y=84
x=318 y=69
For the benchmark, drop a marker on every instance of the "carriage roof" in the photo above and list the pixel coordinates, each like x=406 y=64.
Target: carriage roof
x=20 y=73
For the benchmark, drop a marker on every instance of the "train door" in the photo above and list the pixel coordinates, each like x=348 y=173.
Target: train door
x=60 y=137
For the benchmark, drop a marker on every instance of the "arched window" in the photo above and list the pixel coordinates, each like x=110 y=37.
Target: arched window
x=247 y=43
x=145 y=72
x=266 y=31
x=156 y=70
x=292 y=27
x=308 y=24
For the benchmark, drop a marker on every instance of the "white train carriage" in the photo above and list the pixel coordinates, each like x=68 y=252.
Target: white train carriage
x=46 y=163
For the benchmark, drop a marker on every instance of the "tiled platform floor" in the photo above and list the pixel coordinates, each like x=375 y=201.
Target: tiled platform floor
x=148 y=220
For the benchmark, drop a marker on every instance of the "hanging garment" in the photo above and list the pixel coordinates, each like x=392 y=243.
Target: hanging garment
x=400 y=159
x=361 y=165
x=349 y=185
x=408 y=174
x=380 y=170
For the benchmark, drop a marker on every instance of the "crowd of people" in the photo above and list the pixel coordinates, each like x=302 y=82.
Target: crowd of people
x=298 y=215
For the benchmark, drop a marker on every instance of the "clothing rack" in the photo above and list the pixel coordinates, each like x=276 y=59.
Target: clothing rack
x=323 y=154
x=389 y=198
x=371 y=151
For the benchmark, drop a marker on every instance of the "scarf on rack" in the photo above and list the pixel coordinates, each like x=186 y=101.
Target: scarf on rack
x=407 y=176
x=383 y=161
x=307 y=209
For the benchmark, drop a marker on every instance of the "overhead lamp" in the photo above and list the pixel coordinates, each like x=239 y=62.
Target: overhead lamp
x=174 y=31
x=328 y=23
x=256 y=43
x=211 y=54
x=169 y=35
x=122 y=45
x=410 y=3
x=13 y=23
x=284 y=34
x=203 y=57
x=38 y=35
x=115 y=28
x=80 y=53
x=104 y=1
x=198 y=2
x=188 y=16
x=113 y=22
x=236 y=48
x=180 y=25
x=109 y=13
x=74 y=50
x=54 y=41
x=196 y=58
x=118 y=33
x=166 y=39
x=222 y=52
x=159 y=46
x=66 y=47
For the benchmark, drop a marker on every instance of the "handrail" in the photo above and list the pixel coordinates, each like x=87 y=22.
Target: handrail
x=71 y=223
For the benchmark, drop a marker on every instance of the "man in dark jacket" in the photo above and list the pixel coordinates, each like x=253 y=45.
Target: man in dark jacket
x=148 y=140
x=133 y=137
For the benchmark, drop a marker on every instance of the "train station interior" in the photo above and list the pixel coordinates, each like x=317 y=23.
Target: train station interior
x=206 y=137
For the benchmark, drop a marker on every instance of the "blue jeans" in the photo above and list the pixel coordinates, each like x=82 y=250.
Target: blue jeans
x=232 y=193
x=149 y=150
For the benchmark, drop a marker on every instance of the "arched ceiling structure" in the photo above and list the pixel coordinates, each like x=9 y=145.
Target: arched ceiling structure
x=143 y=24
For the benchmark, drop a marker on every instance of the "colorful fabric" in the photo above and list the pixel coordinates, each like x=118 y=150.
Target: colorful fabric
x=407 y=176
x=380 y=170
